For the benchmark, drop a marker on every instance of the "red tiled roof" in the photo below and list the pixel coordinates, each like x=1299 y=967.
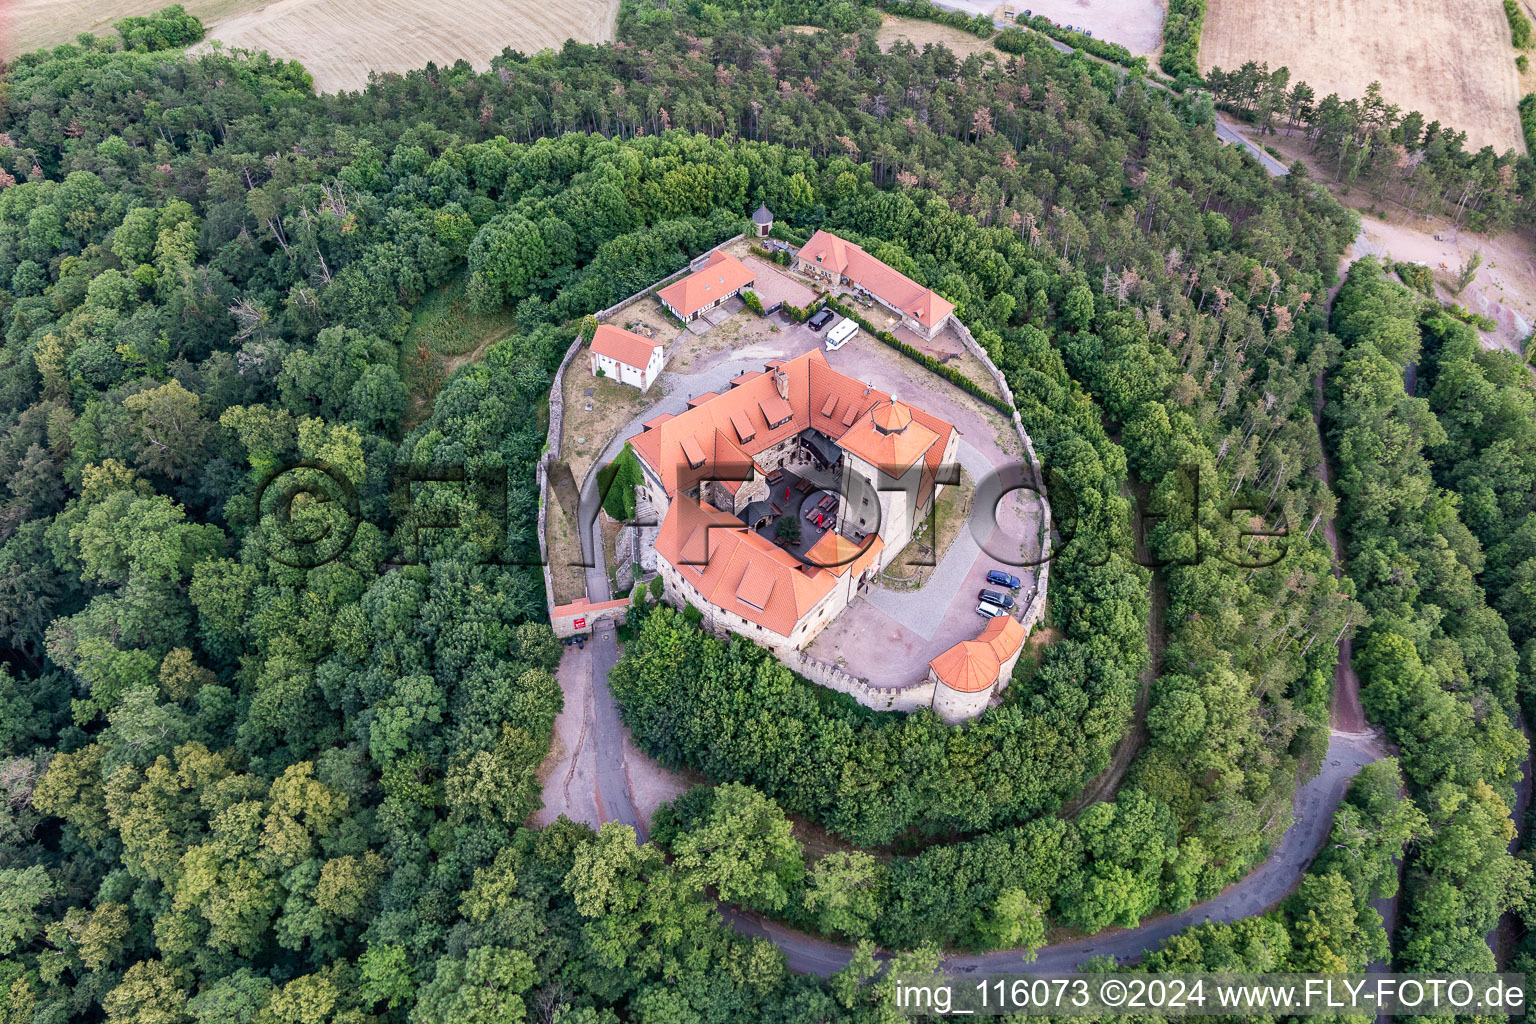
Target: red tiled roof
x=1005 y=635
x=973 y=665
x=896 y=289
x=775 y=409
x=721 y=276
x=839 y=555
x=737 y=570
x=680 y=450
x=892 y=451
x=744 y=430
x=756 y=586
x=892 y=415
x=969 y=667
x=625 y=346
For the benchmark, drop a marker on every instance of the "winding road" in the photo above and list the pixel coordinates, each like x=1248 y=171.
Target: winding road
x=1226 y=131
x=1350 y=748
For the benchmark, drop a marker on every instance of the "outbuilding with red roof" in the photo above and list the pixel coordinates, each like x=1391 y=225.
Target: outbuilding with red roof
x=626 y=357
x=721 y=277
x=922 y=310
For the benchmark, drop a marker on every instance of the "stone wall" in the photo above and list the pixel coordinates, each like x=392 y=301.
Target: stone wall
x=552 y=455
x=557 y=421
x=901 y=698
x=583 y=616
x=1036 y=602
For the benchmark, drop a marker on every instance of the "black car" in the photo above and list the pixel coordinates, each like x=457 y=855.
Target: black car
x=821 y=320
x=995 y=597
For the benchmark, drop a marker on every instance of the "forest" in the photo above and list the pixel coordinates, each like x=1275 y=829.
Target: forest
x=243 y=786
x=1395 y=154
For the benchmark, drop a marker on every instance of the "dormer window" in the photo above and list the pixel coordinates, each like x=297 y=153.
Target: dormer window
x=693 y=453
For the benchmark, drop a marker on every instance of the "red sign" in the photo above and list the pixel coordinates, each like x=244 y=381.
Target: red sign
x=580 y=624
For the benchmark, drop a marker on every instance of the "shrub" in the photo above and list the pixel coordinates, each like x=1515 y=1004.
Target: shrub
x=1112 y=52
x=1416 y=276
x=170 y=28
x=1519 y=25
x=754 y=303
x=657 y=587
x=1181 y=37
x=1466 y=316
x=616 y=483
x=1011 y=40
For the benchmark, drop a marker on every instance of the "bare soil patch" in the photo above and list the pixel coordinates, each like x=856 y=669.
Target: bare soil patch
x=341 y=41
x=919 y=33
x=1505 y=287
x=591 y=421
x=1449 y=59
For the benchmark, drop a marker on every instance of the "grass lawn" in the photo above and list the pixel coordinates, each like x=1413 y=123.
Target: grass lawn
x=445 y=334
x=589 y=430
x=950 y=514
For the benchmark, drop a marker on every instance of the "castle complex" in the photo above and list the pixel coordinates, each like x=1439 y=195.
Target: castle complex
x=857 y=468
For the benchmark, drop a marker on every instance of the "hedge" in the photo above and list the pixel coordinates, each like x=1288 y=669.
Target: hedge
x=1181 y=37
x=944 y=370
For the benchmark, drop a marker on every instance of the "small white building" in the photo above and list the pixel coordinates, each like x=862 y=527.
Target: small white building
x=626 y=357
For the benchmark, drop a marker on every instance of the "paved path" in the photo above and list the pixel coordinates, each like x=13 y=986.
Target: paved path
x=915 y=609
x=1228 y=132
x=1262 y=889
x=1225 y=130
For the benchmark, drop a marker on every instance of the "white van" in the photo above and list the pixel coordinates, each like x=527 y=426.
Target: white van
x=838 y=336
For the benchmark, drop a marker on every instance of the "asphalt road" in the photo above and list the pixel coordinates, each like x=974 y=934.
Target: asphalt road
x=606 y=731
x=1266 y=886
x=1229 y=134
x=1224 y=131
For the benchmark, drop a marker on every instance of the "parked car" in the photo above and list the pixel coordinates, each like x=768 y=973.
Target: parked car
x=1003 y=579
x=995 y=597
x=821 y=320
x=989 y=611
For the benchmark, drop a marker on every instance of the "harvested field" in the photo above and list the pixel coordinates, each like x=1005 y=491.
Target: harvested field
x=340 y=42
x=920 y=33
x=26 y=25
x=1449 y=59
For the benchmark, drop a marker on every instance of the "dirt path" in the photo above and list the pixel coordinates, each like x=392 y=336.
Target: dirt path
x=1348 y=715
x=1104 y=785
